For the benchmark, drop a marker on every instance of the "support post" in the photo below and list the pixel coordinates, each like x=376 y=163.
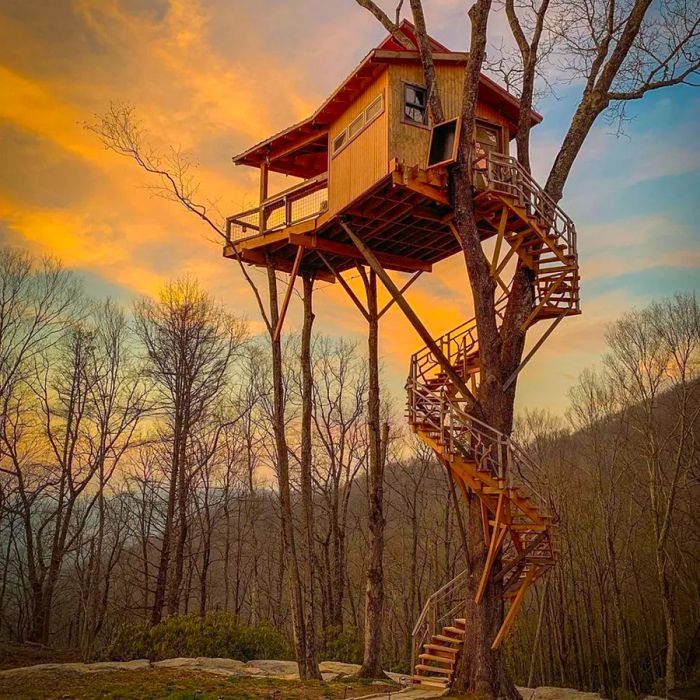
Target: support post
x=264 y=166
x=288 y=293
x=535 y=348
x=497 y=535
x=344 y=285
x=410 y=314
x=514 y=607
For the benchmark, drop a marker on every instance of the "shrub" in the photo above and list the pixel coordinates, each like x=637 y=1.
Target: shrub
x=342 y=645
x=216 y=634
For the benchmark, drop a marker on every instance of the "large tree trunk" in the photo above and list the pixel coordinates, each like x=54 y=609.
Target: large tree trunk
x=310 y=669
x=374 y=593
x=290 y=559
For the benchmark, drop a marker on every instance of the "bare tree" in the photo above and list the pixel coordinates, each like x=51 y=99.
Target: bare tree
x=189 y=343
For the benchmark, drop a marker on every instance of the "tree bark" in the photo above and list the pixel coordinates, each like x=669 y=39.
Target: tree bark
x=374 y=593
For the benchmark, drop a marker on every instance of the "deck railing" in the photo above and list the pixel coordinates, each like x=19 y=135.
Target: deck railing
x=304 y=201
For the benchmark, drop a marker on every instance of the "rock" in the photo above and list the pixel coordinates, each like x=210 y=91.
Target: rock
x=39 y=668
x=285 y=670
x=135 y=665
x=546 y=693
x=331 y=670
x=222 y=666
x=179 y=662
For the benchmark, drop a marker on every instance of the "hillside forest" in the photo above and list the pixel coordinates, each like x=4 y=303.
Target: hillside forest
x=140 y=514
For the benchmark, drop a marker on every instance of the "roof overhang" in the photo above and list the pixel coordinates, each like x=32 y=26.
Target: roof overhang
x=302 y=149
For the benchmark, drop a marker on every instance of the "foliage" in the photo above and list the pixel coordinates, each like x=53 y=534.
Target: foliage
x=342 y=645
x=217 y=634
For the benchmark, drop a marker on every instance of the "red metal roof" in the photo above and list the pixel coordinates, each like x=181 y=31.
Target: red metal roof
x=301 y=149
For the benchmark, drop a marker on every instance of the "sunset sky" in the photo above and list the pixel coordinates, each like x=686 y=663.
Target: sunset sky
x=215 y=76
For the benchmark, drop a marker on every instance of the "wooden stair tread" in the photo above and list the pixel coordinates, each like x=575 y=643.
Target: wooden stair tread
x=445 y=638
x=429 y=680
x=443 y=649
x=439 y=659
x=433 y=669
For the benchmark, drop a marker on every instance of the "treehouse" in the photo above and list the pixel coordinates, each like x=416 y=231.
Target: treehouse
x=373 y=190
x=364 y=154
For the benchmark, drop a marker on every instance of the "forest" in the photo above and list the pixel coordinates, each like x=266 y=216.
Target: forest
x=140 y=513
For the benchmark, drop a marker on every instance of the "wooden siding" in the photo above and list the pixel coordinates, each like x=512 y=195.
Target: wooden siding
x=363 y=161
x=409 y=142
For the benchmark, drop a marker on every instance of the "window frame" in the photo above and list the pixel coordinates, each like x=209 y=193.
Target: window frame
x=406 y=120
x=366 y=123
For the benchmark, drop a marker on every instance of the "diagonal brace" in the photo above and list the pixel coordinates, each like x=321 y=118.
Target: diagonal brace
x=409 y=313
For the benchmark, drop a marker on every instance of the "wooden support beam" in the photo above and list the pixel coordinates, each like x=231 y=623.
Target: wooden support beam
x=515 y=561
x=535 y=348
x=389 y=260
x=317 y=136
x=264 y=167
x=402 y=290
x=288 y=293
x=410 y=314
x=497 y=535
x=255 y=257
x=552 y=288
x=344 y=285
x=514 y=607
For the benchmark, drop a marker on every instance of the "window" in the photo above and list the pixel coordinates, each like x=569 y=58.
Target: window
x=339 y=140
x=374 y=109
x=415 y=104
x=356 y=125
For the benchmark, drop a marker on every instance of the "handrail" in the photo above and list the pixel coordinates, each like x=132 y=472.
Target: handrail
x=291 y=206
x=430 y=618
x=506 y=174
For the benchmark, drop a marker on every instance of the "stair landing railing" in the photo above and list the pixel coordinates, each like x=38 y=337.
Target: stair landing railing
x=505 y=174
x=441 y=608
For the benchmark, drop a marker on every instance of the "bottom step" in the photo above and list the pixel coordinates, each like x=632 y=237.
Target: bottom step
x=429 y=681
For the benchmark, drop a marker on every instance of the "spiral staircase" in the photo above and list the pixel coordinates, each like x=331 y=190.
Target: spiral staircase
x=518 y=522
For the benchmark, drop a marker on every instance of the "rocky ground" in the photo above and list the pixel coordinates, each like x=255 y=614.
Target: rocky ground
x=336 y=677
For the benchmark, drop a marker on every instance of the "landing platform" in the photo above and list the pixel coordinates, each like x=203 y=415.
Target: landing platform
x=403 y=218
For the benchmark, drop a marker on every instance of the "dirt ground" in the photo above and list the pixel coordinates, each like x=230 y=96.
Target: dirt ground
x=173 y=685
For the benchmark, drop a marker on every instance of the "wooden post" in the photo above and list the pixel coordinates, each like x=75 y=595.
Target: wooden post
x=409 y=313
x=264 y=167
x=288 y=293
x=514 y=606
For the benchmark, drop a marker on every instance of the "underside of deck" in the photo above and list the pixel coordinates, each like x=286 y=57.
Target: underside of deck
x=403 y=218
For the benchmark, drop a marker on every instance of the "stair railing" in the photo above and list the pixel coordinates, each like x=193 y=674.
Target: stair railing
x=441 y=607
x=505 y=174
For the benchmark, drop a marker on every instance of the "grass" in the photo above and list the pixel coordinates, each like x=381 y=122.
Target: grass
x=171 y=684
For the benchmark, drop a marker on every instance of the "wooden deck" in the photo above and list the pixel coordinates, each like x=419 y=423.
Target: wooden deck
x=403 y=218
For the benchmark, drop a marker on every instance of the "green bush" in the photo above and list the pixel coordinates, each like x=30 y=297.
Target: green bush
x=342 y=645
x=215 y=634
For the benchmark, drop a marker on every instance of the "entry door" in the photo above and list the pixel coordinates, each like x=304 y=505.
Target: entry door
x=487 y=139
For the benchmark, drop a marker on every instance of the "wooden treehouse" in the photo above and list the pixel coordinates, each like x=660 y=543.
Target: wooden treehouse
x=373 y=190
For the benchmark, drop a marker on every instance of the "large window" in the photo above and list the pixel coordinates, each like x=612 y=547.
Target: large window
x=415 y=104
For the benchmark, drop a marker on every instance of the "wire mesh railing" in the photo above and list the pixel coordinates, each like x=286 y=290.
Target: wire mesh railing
x=300 y=203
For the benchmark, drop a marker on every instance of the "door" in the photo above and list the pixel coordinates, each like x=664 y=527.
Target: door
x=488 y=139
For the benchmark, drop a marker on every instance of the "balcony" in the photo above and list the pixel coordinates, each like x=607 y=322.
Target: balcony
x=304 y=201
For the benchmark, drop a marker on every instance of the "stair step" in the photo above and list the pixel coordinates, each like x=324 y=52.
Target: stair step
x=439 y=659
x=430 y=681
x=462 y=621
x=434 y=669
x=441 y=648
x=445 y=638
x=453 y=630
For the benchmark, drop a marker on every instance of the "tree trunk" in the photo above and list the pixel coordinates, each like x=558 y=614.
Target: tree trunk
x=310 y=665
x=374 y=592
x=291 y=560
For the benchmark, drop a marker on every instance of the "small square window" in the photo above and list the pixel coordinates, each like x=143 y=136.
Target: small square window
x=415 y=104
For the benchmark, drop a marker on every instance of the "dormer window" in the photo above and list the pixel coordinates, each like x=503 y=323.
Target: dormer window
x=415 y=104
